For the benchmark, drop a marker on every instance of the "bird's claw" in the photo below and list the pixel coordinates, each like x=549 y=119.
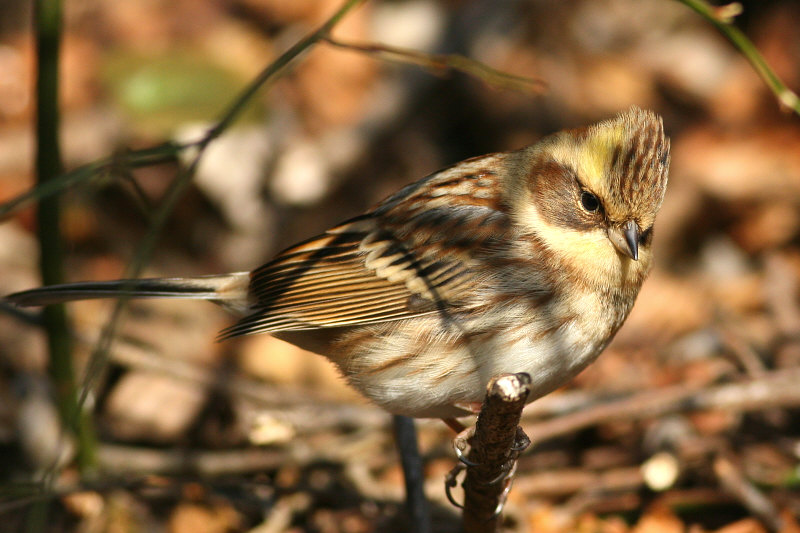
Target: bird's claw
x=450 y=481
x=508 y=476
x=461 y=445
x=521 y=443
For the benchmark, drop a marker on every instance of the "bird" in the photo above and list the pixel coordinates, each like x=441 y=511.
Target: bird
x=520 y=261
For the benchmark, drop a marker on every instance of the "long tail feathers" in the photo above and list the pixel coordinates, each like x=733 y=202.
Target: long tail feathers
x=228 y=290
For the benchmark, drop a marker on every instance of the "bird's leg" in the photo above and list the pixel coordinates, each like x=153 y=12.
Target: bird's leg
x=461 y=446
x=454 y=424
x=461 y=442
x=406 y=438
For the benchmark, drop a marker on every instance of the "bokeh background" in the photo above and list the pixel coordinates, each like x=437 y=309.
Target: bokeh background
x=702 y=432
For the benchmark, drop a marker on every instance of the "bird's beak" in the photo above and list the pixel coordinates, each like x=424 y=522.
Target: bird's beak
x=625 y=239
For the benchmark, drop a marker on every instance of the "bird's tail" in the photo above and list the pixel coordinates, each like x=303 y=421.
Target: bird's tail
x=228 y=290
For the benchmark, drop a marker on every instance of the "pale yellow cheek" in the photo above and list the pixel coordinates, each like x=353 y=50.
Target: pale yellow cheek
x=590 y=253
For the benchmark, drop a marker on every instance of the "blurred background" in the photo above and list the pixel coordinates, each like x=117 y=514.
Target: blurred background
x=703 y=429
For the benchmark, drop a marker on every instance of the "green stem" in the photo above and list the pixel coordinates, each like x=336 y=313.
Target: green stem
x=721 y=17
x=48 y=15
x=162 y=153
x=170 y=150
x=275 y=67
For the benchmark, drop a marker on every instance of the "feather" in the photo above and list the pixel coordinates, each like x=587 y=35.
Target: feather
x=398 y=261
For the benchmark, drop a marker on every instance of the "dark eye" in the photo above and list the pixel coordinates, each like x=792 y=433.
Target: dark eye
x=589 y=201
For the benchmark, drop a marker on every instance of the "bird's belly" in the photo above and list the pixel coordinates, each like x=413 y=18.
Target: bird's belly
x=408 y=372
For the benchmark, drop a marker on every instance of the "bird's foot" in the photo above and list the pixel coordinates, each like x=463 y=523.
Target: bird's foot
x=506 y=476
x=462 y=445
x=451 y=481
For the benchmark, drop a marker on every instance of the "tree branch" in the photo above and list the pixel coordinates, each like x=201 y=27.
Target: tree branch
x=495 y=447
x=772 y=389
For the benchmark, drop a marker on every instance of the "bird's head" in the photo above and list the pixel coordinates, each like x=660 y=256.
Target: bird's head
x=591 y=195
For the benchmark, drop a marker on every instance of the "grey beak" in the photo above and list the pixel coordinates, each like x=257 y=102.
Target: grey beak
x=626 y=239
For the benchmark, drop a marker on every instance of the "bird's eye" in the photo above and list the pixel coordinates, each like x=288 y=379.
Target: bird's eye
x=589 y=201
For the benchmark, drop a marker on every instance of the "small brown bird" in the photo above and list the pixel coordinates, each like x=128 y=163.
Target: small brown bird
x=525 y=261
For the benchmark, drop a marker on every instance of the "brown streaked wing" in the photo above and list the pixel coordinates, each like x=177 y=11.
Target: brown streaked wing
x=424 y=242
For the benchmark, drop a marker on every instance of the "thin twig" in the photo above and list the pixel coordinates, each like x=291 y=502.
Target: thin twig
x=154 y=155
x=781 y=289
x=121 y=460
x=722 y=17
x=437 y=63
x=735 y=484
x=772 y=389
x=568 y=481
x=98 y=359
x=743 y=354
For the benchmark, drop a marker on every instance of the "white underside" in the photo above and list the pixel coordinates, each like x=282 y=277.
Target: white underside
x=441 y=371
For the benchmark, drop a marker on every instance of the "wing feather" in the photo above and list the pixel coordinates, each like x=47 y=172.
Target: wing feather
x=415 y=253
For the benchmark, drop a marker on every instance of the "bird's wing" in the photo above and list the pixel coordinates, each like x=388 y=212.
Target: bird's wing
x=415 y=253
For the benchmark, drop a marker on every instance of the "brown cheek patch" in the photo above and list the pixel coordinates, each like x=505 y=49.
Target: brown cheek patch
x=554 y=189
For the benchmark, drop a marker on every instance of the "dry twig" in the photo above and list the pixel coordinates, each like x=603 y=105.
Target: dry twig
x=495 y=447
x=438 y=63
x=735 y=484
x=772 y=389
